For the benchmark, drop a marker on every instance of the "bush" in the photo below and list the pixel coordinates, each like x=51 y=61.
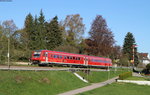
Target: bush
x=124 y=61
x=125 y=75
x=148 y=66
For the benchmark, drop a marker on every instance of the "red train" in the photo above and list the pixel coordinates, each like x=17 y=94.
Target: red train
x=47 y=57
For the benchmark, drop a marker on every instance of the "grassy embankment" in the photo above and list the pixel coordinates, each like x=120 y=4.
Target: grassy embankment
x=99 y=76
x=37 y=83
x=46 y=82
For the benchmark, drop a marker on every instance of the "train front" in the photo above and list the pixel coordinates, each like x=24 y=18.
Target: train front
x=36 y=57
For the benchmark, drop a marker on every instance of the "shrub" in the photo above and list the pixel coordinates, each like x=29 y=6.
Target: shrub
x=124 y=61
x=148 y=66
x=125 y=75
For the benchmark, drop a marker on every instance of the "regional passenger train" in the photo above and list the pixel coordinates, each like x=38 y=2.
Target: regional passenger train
x=47 y=57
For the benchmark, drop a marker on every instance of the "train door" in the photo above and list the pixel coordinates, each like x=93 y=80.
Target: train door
x=85 y=60
x=46 y=57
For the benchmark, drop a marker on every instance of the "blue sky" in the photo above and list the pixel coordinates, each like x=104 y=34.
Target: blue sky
x=122 y=16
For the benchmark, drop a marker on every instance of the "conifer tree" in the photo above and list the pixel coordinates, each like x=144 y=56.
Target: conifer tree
x=41 y=32
x=29 y=30
x=35 y=36
x=54 y=34
x=129 y=41
x=128 y=46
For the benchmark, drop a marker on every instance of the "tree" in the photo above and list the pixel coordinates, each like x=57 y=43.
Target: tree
x=124 y=61
x=3 y=45
x=101 y=39
x=148 y=66
x=128 y=47
x=67 y=48
x=129 y=41
x=116 y=53
x=29 y=31
x=74 y=29
x=41 y=32
x=54 y=34
x=9 y=29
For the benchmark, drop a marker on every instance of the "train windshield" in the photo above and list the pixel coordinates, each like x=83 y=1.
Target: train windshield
x=37 y=54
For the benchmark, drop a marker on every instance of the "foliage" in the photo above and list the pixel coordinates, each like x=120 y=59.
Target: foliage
x=29 y=31
x=66 y=36
x=3 y=45
x=8 y=37
x=67 y=48
x=124 y=61
x=82 y=47
x=116 y=53
x=125 y=75
x=41 y=32
x=101 y=39
x=9 y=28
x=73 y=29
x=54 y=34
x=128 y=46
x=148 y=66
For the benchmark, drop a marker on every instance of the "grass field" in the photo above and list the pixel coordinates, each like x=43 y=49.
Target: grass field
x=139 y=78
x=120 y=89
x=37 y=83
x=99 y=76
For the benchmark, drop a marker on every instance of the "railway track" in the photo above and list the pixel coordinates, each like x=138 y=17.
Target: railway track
x=32 y=68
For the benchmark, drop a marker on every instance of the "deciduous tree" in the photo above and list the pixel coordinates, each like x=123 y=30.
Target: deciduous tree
x=74 y=29
x=101 y=39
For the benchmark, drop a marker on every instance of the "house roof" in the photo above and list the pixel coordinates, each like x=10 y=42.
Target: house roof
x=143 y=55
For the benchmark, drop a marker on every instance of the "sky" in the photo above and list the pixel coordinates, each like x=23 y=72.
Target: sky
x=122 y=16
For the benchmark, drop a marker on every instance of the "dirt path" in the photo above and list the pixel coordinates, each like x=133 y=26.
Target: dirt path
x=91 y=87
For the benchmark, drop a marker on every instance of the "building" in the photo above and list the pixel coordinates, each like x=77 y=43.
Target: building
x=144 y=58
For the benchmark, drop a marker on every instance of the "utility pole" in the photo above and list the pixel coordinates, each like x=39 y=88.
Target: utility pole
x=133 y=50
x=8 y=53
x=108 y=72
x=133 y=55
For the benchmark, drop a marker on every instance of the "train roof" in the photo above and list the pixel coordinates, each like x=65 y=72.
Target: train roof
x=71 y=54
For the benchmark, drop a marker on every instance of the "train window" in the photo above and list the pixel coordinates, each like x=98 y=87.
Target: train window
x=37 y=54
x=96 y=60
x=60 y=56
x=74 y=58
x=70 y=57
x=65 y=57
x=55 y=56
x=78 y=58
